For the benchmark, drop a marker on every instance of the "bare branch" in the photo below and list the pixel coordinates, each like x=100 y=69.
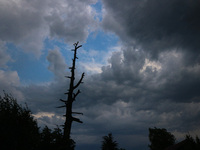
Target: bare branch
x=68 y=77
x=75 y=44
x=61 y=106
x=76 y=119
x=80 y=81
x=78 y=92
x=63 y=100
x=77 y=113
x=78 y=46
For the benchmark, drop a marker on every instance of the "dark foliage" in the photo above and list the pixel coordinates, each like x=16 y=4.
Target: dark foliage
x=46 y=137
x=188 y=144
x=18 y=129
x=191 y=143
x=160 y=139
x=108 y=143
x=52 y=140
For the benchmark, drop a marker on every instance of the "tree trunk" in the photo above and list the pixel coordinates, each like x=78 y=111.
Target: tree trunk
x=71 y=98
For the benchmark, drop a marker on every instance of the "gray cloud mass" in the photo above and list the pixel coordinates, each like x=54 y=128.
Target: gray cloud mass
x=155 y=25
x=56 y=64
x=27 y=23
x=153 y=81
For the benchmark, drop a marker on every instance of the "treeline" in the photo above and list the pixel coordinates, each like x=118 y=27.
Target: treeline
x=19 y=131
x=161 y=139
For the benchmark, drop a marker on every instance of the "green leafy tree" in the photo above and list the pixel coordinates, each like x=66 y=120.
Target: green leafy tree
x=108 y=143
x=160 y=139
x=18 y=129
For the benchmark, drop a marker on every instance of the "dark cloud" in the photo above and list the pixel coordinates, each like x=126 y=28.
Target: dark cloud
x=127 y=98
x=134 y=91
x=168 y=31
x=155 y=25
x=43 y=101
x=133 y=75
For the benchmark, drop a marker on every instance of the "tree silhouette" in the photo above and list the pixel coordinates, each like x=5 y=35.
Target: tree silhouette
x=57 y=135
x=108 y=143
x=46 y=139
x=70 y=99
x=52 y=140
x=191 y=143
x=18 y=129
x=160 y=139
x=188 y=144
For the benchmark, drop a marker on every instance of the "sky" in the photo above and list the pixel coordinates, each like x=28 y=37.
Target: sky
x=141 y=60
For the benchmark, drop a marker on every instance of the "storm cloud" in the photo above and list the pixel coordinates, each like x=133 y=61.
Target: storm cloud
x=152 y=80
x=155 y=26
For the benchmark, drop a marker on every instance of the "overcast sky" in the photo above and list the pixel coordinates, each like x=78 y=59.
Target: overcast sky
x=141 y=59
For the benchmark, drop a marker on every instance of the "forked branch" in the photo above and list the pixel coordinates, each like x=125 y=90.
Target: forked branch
x=80 y=81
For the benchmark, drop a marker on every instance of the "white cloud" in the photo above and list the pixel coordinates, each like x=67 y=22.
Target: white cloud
x=92 y=67
x=153 y=65
x=23 y=25
x=27 y=23
x=10 y=82
x=48 y=118
x=93 y=60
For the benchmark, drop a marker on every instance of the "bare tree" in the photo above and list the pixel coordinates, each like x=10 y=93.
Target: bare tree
x=72 y=94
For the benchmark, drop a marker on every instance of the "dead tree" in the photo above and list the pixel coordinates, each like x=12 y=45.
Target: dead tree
x=72 y=94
